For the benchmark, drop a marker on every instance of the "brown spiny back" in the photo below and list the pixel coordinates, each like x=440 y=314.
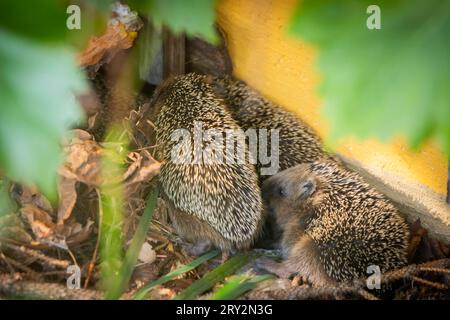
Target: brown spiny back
x=355 y=225
x=226 y=196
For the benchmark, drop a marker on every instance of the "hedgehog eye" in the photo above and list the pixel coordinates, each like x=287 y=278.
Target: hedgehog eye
x=17 y=190
x=307 y=189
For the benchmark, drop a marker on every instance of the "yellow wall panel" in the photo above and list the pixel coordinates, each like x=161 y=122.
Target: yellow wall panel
x=282 y=68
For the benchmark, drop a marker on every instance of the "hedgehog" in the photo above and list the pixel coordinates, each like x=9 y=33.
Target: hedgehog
x=298 y=143
x=334 y=224
x=211 y=203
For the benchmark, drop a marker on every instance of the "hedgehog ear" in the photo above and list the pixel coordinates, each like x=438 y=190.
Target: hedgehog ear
x=218 y=85
x=209 y=79
x=307 y=188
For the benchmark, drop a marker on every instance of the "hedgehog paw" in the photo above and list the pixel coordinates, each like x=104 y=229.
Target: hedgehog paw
x=269 y=265
x=197 y=249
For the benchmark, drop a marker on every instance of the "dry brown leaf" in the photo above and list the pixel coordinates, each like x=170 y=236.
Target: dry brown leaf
x=136 y=159
x=143 y=168
x=80 y=135
x=162 y=293
x=106 y=46
x=25 y=195
x=12 y=228
x=119 y=35
x=40 y=221
x=73 y=232
x=83 y=161
x=67 y=198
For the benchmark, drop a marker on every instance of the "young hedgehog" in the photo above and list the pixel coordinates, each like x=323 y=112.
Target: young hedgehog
x=298 y=143
x=335 y=225
x=211 y=203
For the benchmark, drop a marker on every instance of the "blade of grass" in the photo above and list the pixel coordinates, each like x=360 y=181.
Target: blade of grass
x=185 y=268
x=132 y=253
x=238 y=285
x=215 y=276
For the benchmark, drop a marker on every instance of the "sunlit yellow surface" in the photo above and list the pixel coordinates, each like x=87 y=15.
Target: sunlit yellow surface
x=282 y=68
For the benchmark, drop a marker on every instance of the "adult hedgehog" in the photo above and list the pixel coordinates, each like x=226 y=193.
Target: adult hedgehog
x=214 y=203
x=335 y=225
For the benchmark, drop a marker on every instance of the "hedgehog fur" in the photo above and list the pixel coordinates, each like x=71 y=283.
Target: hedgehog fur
x=298 y=143
x=219 y=202
x=335 y=222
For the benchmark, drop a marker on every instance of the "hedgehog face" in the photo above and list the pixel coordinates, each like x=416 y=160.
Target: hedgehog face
x=289 y=190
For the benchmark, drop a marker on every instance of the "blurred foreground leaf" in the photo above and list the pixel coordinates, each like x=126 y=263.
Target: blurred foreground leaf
x=195 y=17
x=37 y=83
x=133 y=250
x=384 y=82
x=7 y=205
x=111 y=212
x=42 y=20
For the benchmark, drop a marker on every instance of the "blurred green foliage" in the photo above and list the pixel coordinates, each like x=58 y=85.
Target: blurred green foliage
x=117 y=265
x=43 y=20
x=127 y=267
x=112 y=211
x=38 y=107
x=381 y=83
x=6 y=203
x=38 y=77
x=195 y=17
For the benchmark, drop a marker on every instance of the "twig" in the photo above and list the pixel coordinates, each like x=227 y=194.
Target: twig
x=11 y=262
x=14 y=286
x=91 y=264
x=430 y=269
x=72 y=256
x=367 y=295
x=48 y=261
x=429 y=283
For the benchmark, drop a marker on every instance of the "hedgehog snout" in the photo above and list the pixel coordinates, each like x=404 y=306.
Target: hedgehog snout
x=272 y=188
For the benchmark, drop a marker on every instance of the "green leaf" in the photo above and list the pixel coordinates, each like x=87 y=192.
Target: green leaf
x=217 y=275
x=387 y=82
x=238 y=285
x=195 y=17
x=132 y=254
x=37 y=83
x=43 y=20
x=183 y=269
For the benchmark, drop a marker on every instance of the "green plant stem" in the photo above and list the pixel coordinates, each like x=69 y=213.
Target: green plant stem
x=132 y=253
